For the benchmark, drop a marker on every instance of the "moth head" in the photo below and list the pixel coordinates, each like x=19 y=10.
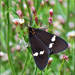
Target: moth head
x=31 y=31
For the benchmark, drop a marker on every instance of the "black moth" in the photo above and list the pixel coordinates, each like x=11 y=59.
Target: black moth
x=44 y=44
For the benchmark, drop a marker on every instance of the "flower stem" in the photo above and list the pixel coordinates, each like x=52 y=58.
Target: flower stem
x=25 y=63
x=8 y=39
x=30 y=16
x=73 y=58
x=35 y=70
x=42 y=73
x=24 y=68
x=68 y=13
x=60 y=68
x=22 y=8
x=74 y=44
x=28 y=7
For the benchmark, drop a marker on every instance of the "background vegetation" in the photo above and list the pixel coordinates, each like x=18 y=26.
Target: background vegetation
x=15 y=51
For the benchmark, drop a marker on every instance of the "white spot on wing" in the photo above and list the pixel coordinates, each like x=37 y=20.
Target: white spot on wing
x=41 y=52
x=51 y=45
x=35 y=54
x=53 y=38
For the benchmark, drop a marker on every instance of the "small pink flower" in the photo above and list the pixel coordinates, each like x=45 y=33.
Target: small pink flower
x=51 y=12
x=3 y=4
x=33 y=10
x=69 y=45
x=65 y=57
x=57 y=25
x=61 y=19
x=71 y=24
x=46 y=1
x=52 y=2
x=19 y=1
x=58 y=33
x=19 y=12
x=12 y=49
x=36 y=19
x=18 y=48
x=50 y=19
x=61 y=1
x=29 y=2
x=46 y=30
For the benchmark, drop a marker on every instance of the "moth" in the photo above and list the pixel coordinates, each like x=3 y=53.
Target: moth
x=44 y=44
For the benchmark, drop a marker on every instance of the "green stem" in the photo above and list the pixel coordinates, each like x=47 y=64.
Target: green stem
x=25 y=63
x=30 y=16
x=74 y=42
x=68 y=13
x=42 y=73
x=28 y=8
x=37 y=4
x=35 y=70
x=73 y=57
x=8 y=39
x=61 y=67
x=60 y=9
x=74 y=14
x=73 y=45
x=24 y=67
x=22 y=8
